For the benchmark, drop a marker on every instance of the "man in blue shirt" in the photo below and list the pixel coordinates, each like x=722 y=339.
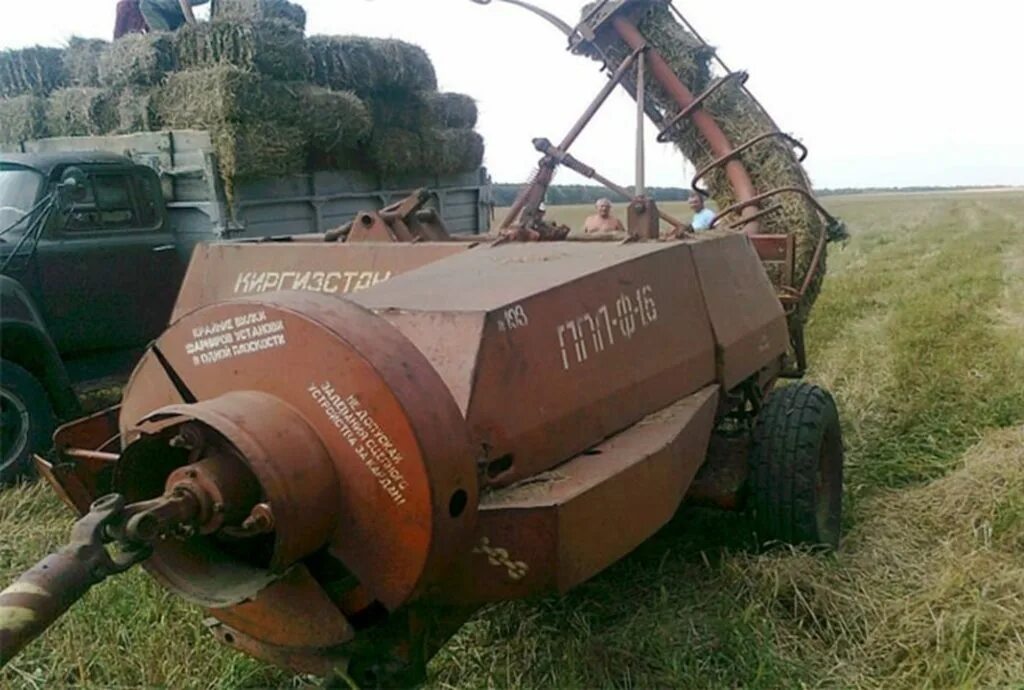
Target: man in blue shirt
x=702 y=215
x=168 y=15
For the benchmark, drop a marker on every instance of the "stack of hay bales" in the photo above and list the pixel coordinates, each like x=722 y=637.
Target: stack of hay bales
x=415 y=128
x=275 y=103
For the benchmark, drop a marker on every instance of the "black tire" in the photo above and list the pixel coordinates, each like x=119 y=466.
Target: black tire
x=796 y=479
x=26 y=421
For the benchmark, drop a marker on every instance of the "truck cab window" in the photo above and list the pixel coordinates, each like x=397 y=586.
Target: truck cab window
x=107 y=205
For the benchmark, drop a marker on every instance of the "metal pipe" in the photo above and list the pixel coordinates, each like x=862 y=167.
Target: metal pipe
x=719 y=143
x=544 y=14
x=545 y=174
x=641 y=115
x=602 y=96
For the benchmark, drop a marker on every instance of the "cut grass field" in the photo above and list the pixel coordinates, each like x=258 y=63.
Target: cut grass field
x=919 y=333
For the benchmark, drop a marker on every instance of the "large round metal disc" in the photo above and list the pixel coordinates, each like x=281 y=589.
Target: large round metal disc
x=404 y=465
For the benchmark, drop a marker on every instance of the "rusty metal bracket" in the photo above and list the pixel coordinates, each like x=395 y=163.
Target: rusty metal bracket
x=736 y=152
x=578 y=166
x=698 y=102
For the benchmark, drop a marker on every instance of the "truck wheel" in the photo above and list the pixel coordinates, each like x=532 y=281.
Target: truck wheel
x=26 y=421
x=796 y=479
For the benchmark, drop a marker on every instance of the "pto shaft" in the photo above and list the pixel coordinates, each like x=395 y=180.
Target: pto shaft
x=42 y=595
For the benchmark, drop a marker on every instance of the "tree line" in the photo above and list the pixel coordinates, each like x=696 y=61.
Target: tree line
x=577 y=194
x=566 y=195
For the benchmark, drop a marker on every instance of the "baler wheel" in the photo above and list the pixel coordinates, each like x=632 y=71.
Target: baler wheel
x=796 y=458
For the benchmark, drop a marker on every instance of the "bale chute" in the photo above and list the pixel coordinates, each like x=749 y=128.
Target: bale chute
x=749 y=166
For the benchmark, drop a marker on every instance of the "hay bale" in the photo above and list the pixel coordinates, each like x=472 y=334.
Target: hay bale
x=22 y=118
x=393 y=152
x=82 y=60
x=771 y=164
x=336 y=122
x=370 y=65
x=401 y=110
x=203 y=98
x=81 y=111
x=397 y=152
x=452 y=110
x=35 y=70
x=139 y=59
x=274 y=48
x=451 y=151
x=256 y=150
x=137 y=110
x=254 y=10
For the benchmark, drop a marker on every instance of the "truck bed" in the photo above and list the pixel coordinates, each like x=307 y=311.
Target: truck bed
x=274 y=206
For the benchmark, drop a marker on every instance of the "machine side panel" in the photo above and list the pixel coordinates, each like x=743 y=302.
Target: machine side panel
x=220 y=272
x=453 y=356
x=584 y=360
x=747 y=317
x=552 y=532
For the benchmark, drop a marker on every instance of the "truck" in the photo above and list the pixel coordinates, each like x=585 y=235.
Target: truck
x=87 y=282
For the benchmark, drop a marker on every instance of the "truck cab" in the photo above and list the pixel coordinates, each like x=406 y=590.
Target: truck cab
x=83 y=292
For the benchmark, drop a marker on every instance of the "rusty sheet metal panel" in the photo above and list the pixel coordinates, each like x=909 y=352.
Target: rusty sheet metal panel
x=551 y=533
x=566 y=343
x=220 y=272
x=748 y=320
x=404 y=467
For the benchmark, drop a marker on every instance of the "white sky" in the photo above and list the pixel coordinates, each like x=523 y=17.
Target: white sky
x=885 y=93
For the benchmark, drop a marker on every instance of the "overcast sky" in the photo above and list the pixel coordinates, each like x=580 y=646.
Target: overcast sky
x=885 y=93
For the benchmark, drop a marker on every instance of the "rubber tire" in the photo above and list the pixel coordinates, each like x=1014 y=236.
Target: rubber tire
x=796 y=461
x=18 y=383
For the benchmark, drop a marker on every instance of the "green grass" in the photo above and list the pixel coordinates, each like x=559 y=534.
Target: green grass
x=920 y=334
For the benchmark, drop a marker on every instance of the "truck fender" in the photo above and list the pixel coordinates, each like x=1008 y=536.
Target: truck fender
x=25 y=341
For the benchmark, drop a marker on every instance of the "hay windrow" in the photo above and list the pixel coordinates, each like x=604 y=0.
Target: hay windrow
x=274 y=48
x=81 y=111
x=771 y=164
x=138 y=59
x=453 y=110
x=22 y=118
x=926 y=588
x=35 y=70
x=251 y=10
x=82 y=60
x=137 y=110
x=370 y=65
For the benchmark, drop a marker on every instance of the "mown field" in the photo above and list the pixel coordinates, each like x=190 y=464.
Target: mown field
x=920 y=334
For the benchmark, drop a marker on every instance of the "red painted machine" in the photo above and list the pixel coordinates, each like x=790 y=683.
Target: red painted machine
x=343 y=446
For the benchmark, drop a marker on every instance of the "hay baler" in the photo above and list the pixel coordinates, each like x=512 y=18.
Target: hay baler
x=341 y=480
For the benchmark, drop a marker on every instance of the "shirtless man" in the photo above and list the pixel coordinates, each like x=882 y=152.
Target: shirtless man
x=603 y=220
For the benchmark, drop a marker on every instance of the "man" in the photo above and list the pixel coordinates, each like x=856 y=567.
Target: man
x=702 y=215
x=129 y=19
x=603 y=220
x=168 y=15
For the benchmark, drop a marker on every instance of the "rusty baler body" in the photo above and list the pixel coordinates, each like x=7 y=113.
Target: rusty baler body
x=344 y=445
x=496 y=423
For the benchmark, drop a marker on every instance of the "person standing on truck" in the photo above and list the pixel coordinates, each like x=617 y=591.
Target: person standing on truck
x=169 y=15
x=603 y=220
x=129 y=19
